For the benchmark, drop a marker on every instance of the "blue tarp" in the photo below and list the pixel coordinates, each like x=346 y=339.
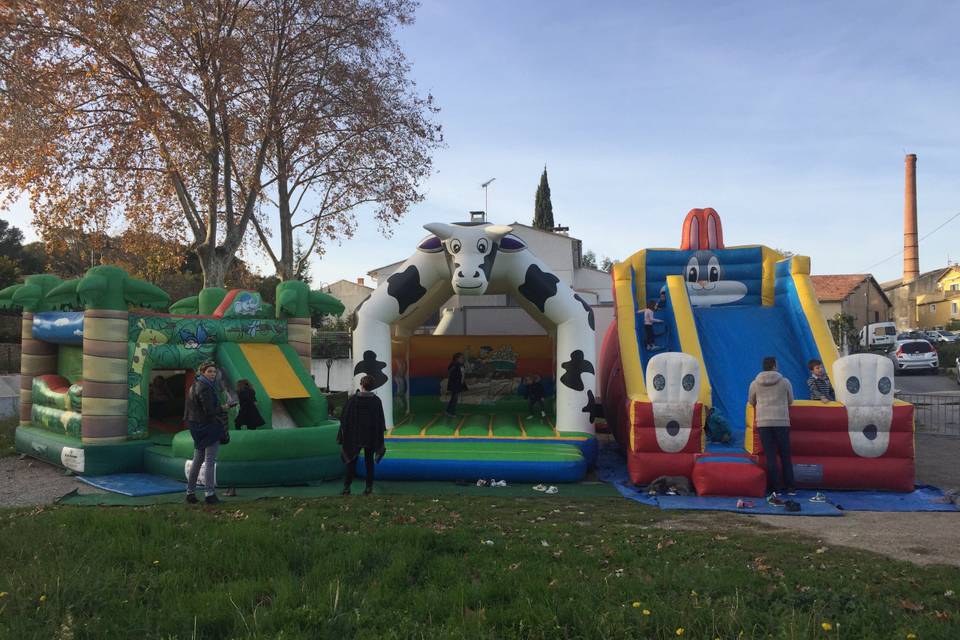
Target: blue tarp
x=134 y=484
x=612 y=468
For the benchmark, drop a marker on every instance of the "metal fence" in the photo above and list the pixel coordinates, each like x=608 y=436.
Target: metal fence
x=9 y=358
x=332 y=344
x=935 y=413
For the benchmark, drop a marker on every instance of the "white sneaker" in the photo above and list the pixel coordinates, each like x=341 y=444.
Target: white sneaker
x=498 y=483
x=529 y=417
x=540 y=487
x=482 y=483
x=552 y=489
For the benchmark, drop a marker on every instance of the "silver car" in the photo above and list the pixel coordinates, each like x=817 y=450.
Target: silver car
x=914 y=355
x=938 y=335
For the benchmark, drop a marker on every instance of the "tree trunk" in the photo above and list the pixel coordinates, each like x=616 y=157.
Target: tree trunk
x=215 y=264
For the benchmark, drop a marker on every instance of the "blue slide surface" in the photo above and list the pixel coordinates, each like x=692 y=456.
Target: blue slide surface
x=734 y=341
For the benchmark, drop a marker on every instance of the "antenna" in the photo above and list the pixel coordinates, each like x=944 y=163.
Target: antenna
x=485 y=186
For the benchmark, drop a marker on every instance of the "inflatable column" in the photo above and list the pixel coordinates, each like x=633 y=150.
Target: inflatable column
x=37 y=358
x=105 y=387
x=673 y=384
x=299 y=337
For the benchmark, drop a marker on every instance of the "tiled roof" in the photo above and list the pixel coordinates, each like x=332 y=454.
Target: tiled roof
x=833 y=288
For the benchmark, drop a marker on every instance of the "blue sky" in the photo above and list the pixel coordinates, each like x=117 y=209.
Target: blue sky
x=791 y=119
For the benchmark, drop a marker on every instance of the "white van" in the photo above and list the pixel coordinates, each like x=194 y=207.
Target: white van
x=878 y=335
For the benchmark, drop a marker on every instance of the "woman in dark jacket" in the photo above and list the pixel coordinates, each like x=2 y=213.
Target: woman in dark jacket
x=206 y=417
x=248 y=415
x=455 y=383
x=362 y=426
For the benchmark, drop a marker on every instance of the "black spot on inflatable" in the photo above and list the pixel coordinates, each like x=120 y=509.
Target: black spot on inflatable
x=870 y=431
x=588 y=309
x=488 y=260
x=370 y=366
x=538 y=287
x=659 y=382
x=433 y=244
x=688 y=382
x=575 y=367
x=853 y=384
x=673 y=428
x=592 y=408
x=405 y=287
x=883 y=385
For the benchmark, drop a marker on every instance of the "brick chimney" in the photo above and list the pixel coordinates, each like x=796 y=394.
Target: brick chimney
x=911 y=248
x=360 y=281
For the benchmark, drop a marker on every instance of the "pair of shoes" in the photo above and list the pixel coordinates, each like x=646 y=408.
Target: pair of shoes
x=345 y=492
x=482 y=483
x=540 y=487
x=774 y=500
x=552 y=490
x=230 y=493
x=212 y=499
x=498 y=483
x=368 y=491
x=792 y=506
x=791 y=491
x=192 y=498
x=745 y=504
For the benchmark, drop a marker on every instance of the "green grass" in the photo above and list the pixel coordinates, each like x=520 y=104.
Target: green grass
x=8 y=427
x=399 y=567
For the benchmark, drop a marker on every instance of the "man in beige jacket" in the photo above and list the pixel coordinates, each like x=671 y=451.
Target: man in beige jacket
x=771 y=396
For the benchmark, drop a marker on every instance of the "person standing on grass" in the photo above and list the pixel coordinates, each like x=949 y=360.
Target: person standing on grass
x=455 y=383
x=819 y=383
x=648 y=322
x=771 y=396
x=362 y=426
x=206 y=416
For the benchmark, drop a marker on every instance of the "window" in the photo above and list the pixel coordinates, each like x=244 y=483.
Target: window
x=916 y=347
x=933 y=308
x=953 y=308
x=955 y=286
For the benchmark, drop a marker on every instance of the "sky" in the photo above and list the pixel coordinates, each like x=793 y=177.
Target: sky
x=790 y=119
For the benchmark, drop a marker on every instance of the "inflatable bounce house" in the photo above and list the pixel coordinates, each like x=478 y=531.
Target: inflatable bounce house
x=491 y=435
x=721 y=311
x=102 y=389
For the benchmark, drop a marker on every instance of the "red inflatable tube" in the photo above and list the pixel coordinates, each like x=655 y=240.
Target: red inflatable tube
x=883 y=474
x=716 y=474
x=645 y=467
x=645 y=434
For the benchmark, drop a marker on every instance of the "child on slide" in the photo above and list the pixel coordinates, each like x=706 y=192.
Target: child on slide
x=819 y=383
x=648 y=322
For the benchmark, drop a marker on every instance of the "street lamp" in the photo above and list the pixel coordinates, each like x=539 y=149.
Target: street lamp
x=485 y=186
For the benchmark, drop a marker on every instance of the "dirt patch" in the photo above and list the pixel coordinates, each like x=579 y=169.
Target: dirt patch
x=25 y=482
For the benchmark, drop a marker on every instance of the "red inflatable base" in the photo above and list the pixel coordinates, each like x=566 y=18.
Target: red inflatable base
x=718 y=474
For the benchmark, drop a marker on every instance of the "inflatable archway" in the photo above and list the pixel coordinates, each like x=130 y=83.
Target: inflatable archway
x=474 y=259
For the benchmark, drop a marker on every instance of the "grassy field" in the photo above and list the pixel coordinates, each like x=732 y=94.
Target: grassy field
x=401 y=567
x=7 y=428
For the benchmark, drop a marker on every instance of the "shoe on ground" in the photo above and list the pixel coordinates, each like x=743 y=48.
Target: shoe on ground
x=819 y=497
x=212 y=499
x=791 y=491
x=482 y=483
x=230 y=493
x=498 y=483
x=540 y=487
x=552 y=490
x=192 y=498
x=774 y=500
x=529 y=417
x=345 y=492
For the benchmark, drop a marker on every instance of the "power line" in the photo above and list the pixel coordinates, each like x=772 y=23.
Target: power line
x=948 y=221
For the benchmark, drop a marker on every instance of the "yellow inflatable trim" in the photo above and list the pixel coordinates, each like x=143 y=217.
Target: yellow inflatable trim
x=274 y=371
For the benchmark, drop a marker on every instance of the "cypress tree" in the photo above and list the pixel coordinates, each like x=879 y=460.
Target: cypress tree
x=543 y=208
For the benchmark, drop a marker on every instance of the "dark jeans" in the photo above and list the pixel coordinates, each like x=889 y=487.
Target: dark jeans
x=648 y=332
x=452 y=405
x=777 y=439
x=368 y=462
x=536 y=403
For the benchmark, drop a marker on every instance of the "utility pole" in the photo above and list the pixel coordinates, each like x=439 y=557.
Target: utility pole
x=485 y=186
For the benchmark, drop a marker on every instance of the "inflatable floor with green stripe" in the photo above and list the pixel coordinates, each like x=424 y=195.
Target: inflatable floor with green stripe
x=469 y=459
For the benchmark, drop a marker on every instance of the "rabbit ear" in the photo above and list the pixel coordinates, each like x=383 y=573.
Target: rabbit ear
x=694 y=235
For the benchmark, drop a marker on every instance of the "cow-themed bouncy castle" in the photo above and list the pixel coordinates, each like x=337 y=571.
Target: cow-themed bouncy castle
x=719 y=311
x=105 y=371
x=492 y=438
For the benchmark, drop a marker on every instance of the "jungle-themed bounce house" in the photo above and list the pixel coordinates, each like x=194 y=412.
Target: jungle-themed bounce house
x=724 y=310
x=490 y=435
x=102 y=388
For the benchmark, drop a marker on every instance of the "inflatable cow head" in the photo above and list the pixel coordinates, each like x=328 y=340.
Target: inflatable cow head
x=471 y=250
x=864 y=383
x=673 y=384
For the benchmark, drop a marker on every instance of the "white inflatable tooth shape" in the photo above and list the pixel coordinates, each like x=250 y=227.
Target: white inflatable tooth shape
x=864 y=383
x=673 y=384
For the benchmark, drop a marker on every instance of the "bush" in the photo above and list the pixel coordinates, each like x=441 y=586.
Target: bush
x=948 y=352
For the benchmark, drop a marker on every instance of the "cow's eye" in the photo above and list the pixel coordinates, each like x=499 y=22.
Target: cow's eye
x=455 y=246
x=482 y=245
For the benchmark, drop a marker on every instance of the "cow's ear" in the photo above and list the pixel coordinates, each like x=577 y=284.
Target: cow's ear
x=497 y=231
x=511 y=242
x=441 y=230
x=430 y=244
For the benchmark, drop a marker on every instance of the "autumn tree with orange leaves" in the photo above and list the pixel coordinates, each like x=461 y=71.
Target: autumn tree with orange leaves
x=198 y=120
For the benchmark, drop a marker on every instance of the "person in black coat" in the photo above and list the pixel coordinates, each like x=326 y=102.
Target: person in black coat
x=247 y=415
x=362 y=426
x=206 y=416
x=455 y=383
x=535 y=395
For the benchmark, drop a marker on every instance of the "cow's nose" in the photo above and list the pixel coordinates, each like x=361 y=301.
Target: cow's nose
x=476 y=274
x=460 y=274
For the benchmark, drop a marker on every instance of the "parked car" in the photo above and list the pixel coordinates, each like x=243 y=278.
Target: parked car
x=878 y=335
x=937 y=335
x=912 y=334
x=914 y=355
